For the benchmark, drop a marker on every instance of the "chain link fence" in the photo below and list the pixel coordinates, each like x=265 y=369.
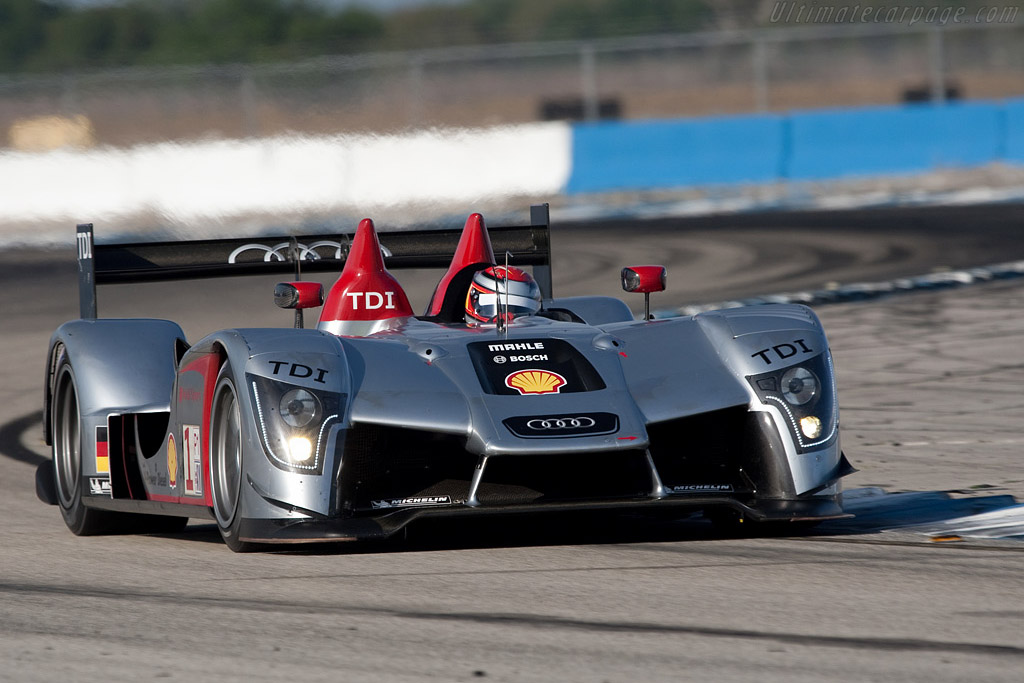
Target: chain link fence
x=666 y=76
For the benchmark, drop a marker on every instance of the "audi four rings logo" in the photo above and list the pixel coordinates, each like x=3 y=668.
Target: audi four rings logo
x=582 y=422
x=562 y=426
x=282 y=251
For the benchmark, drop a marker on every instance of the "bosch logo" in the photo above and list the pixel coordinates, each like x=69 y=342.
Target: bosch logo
x=582 y=422
x=520 y=359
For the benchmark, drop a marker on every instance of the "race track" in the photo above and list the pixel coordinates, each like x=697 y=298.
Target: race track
x=930 y=388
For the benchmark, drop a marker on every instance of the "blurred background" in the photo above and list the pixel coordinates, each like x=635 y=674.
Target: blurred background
x=734 y=84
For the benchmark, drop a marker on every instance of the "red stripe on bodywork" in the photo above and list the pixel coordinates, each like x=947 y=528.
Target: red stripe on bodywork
x=207 y=365
x=160 y=498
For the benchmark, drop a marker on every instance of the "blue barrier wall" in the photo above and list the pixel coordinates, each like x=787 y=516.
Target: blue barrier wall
x=892 y=140
x=796 y=146
x=1013 y=123
x=646 y=154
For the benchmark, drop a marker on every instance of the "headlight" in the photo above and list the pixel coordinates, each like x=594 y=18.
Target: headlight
x=810 y=426
x=799 y=386
x=293 y=422
x=300 y=449
x=298 y=407
x=805 y=394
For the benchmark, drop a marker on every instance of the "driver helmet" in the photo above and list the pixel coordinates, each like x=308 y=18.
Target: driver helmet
x=486 y=300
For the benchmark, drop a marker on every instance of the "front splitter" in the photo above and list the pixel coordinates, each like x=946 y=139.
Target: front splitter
x=386 y=525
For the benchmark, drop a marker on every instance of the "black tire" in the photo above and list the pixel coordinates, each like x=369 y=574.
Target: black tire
x=226 y=461
x=67 y=470
x=67 y=457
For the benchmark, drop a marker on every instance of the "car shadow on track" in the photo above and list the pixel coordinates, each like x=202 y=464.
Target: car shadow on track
x=11 y=445
x=521 y=530
x=938 y=514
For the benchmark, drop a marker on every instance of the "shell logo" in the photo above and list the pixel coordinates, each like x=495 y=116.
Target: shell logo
x=172 y=461
x=535 y=382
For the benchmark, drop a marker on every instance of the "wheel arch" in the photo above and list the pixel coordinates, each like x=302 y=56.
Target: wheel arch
x=270 y=353
x=52 y=359
x=118 y=364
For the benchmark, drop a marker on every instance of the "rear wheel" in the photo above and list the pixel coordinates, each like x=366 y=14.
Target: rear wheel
x=226 y=460
x=67 y=470
x=67 y=456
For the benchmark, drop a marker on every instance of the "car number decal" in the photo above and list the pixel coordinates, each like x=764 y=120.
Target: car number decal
x=192 y=442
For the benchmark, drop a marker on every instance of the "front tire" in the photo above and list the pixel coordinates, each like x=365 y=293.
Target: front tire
x=226 y=460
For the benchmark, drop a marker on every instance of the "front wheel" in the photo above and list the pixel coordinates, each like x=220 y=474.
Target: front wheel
x=226 y=460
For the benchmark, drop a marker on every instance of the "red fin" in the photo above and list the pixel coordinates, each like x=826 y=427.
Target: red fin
x=365 y=291
x=474 y=247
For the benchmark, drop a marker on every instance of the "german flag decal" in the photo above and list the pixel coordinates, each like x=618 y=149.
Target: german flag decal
x=102 y=455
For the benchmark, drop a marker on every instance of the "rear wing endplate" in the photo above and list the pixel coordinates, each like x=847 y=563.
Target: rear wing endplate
x=102 y=264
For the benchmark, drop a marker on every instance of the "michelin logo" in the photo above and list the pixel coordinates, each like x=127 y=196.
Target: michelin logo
x=700 y=488
x=417 y=501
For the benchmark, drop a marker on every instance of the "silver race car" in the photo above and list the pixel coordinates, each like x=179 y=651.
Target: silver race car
x=500 y=398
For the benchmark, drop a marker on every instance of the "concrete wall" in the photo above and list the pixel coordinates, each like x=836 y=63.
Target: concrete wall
x=206 y=184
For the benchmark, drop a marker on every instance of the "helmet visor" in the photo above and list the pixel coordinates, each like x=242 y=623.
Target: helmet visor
x=488 y=305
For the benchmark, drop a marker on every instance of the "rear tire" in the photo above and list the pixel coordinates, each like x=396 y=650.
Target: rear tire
x=67 y=457
x=67 y=471
x=226 y=461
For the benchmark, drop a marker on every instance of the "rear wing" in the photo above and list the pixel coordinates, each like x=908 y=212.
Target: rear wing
x=102 y=264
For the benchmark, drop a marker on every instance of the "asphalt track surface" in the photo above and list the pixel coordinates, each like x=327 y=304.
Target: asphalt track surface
x=930 y=388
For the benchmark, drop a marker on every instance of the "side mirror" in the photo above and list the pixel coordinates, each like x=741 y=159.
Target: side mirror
x=644 y=279
x=299 y=295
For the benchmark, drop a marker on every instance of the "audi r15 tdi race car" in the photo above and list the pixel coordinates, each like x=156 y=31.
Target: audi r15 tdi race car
x=499 y=398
